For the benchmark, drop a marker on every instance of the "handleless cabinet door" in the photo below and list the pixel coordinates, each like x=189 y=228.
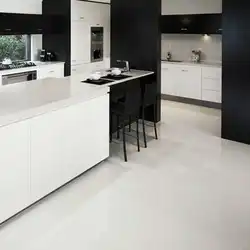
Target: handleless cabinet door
x=189 y=82
x=14 y=169
x=66 y=143
x=80 y=42
x=168 y=80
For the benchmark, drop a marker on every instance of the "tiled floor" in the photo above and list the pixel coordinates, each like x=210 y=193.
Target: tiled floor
x=190 y=190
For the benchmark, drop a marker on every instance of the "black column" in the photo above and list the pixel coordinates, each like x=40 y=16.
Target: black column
x=236 y=71
x=136 y=37
x=60 y=44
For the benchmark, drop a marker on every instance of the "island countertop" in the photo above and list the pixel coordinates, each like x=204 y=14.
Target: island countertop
x=29 y=99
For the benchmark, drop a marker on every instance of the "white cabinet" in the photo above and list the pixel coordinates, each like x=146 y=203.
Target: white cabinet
x=189 y=82
x=56 y=71
x=80 y=42
x=67 y=142
x=80 y=68
x=14 y=169
x=168 y=80
x=181 y=80
x=211 y=84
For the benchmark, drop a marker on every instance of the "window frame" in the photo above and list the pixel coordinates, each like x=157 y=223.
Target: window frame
x=27 y=47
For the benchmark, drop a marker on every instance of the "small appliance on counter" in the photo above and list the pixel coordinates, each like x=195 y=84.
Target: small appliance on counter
x=169 y=56
x=196 y=56
x=47 y=56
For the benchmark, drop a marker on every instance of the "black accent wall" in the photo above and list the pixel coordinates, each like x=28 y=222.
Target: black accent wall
x=236 y=71
x=136 y=37
x=60 y=44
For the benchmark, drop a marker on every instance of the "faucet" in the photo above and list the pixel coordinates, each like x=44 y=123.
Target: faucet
x=127 y=68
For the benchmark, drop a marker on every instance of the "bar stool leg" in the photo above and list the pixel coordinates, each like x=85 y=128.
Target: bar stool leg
x=129 y=123
x=156 y=135
x=124 y=144
x=143 y=128
x=110 y=127
x=137 y=132
x=118 y=127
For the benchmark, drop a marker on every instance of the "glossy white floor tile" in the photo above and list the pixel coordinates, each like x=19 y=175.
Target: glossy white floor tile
x=187 y=191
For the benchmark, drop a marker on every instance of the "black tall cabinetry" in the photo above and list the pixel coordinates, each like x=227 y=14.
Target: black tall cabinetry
x=236 y=71
x=59 y=43
x=136 y=37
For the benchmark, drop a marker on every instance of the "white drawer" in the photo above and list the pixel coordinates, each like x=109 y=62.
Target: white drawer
x=50 y=71
x=211 y=73
x=79 y=69
x=211 y=96
x=211 y=84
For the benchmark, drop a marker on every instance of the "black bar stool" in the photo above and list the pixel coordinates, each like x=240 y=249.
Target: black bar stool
x=127 y=109
x=149 y=99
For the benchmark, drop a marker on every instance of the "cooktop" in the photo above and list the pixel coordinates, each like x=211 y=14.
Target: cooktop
x=16 y=65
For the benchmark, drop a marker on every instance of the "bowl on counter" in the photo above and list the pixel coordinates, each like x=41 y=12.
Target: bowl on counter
x=95 y=76
x=116 y=71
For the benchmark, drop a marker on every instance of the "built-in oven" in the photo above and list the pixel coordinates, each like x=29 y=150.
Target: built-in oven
x=96 y=44
x=19 y=77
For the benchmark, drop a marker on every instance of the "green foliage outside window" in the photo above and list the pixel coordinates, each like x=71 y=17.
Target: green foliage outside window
x=13 y=47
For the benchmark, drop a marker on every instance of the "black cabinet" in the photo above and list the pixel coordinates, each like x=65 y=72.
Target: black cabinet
x=13 y=24
x=191 y=24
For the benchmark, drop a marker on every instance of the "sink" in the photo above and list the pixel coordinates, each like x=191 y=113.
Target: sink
x=172 y=61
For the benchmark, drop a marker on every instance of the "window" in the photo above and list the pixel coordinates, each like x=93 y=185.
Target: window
x=15 y=47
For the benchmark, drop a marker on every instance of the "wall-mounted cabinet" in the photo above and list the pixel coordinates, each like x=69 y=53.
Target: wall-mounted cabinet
x=192 y=24
x=12 y=24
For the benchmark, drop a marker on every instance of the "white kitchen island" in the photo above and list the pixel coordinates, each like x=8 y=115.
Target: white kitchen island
x=49 y=133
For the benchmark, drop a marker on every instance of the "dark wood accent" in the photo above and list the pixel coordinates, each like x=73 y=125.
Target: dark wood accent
x=136 y=37
x=192 y=24
x=207 y=104
x=236 y=71
x=13 y=24
x=59 y=43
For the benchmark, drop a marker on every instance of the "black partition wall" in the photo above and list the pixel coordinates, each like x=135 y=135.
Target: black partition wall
x=236 y=71
x=136 y=37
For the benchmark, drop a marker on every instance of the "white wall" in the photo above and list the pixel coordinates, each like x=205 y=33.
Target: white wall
x=181 y=46
x=21 y=6
x=191 y=6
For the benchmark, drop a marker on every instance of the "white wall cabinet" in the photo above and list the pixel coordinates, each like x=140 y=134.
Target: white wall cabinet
x=56 y=71
x=14 y=169
x=74 y=142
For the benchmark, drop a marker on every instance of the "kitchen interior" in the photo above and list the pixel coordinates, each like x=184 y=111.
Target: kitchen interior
x=86 y=102
x=192 y=54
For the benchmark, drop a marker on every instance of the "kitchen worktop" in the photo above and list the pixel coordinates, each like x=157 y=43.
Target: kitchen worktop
x=28 y=99
x=25 y=69
x=202 y=63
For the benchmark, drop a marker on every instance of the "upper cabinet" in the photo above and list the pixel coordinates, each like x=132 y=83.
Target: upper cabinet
x=181 y=7
x=192 y=24
x=12 y=24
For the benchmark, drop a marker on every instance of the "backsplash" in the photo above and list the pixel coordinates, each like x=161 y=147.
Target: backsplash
x=181 y=46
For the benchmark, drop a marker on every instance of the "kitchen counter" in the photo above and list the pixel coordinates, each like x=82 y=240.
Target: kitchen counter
x=208 y=64
x=20 y=70
x=29 y=99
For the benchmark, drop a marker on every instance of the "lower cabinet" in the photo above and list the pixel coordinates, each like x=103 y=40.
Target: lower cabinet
x=41 y=154
x=183 y=81
x=67 y=142
x=194 y=82
x=56 y=71
x=14 y=169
